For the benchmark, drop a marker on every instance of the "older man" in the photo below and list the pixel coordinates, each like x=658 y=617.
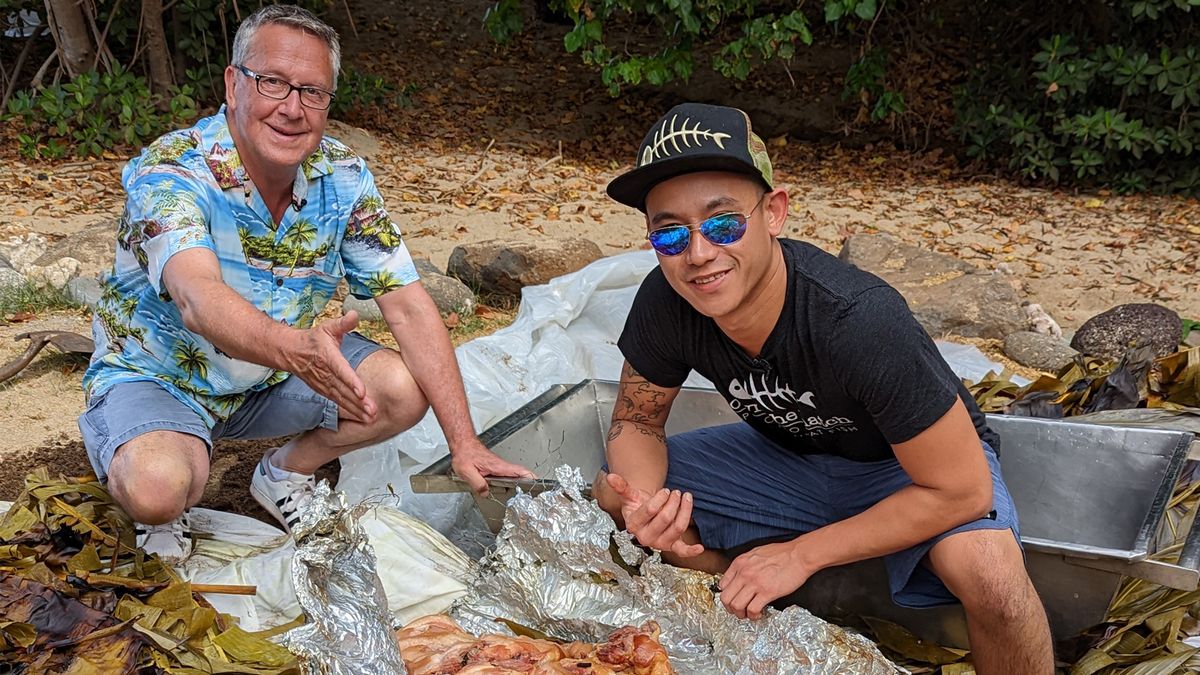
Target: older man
x=235 y=234
x=857 y=440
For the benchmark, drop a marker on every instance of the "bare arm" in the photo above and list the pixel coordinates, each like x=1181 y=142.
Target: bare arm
x=425 y=345
x=951 y=486
x=212 y=309
x=637 y=438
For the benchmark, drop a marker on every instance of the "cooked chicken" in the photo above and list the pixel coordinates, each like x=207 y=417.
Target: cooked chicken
x=435 y=645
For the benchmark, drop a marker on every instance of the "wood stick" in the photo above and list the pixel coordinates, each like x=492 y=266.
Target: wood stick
x=225 y=589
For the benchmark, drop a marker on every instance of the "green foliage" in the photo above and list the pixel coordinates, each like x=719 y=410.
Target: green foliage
x=744 y=33
x=33 y=298
x=94 y=112
x=1092 y=107
x=358 y=89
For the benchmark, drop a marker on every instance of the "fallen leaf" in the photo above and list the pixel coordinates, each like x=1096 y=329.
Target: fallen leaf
x=22 y=316
x=452 y=320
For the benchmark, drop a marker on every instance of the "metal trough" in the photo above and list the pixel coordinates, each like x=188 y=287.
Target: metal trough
x=1091 y=501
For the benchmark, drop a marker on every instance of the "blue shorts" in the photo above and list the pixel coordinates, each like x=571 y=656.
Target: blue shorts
x=748 y=490
x=127 y=410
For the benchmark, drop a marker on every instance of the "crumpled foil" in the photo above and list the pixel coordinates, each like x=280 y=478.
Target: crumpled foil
x=349 y=630
x=560 y=566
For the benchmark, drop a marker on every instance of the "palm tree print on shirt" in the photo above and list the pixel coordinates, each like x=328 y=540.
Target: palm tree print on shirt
x=191 y=359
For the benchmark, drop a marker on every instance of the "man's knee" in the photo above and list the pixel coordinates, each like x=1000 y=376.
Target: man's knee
x=157 y=475
x=397 y=395
x=986 y=571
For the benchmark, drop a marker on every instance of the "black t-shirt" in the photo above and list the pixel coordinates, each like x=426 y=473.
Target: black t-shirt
x=846 y=371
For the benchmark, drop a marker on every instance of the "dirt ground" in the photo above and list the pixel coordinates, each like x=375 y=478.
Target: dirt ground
x=519 y=143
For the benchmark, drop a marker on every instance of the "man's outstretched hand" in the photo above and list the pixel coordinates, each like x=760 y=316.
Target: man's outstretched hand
x=317 y=359
x=657 y=520
x=472 y=461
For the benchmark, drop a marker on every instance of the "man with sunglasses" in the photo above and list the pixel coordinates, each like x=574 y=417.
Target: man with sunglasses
x=235 y=234
x=857 y=440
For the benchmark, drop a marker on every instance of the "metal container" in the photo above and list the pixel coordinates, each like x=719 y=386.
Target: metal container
x=1090 y=499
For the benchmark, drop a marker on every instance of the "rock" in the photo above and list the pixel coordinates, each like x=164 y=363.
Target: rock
x=947 y=295
x=1193 y=338
x=426 y=267
x=1040 y=321
x=85 y=290
x=94 y=246
x=359 y=140
x=56 y=274
x=10 y=278
x=23 y=249
x=448 y=293
x=1110 y=334
x=505 y=267
x=4 y=263
x=368 y=310
x=1038 y=350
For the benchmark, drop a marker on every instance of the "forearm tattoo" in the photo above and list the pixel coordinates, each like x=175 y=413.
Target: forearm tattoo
x=618 y=427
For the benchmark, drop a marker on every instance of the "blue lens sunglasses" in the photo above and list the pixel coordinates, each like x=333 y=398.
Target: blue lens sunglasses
x=722 y=229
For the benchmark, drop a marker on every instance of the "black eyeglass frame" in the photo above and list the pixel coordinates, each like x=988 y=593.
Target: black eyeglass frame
x=258 y=86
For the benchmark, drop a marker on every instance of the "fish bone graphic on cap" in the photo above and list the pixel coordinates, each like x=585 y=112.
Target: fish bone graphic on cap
x=668 y=133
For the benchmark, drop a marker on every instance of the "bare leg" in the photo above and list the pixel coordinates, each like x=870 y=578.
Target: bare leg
x=401 y=404
x=1006 y=622
x=157 y=475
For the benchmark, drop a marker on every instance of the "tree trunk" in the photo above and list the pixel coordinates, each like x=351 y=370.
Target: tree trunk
x=157 y=54
x=72 y=35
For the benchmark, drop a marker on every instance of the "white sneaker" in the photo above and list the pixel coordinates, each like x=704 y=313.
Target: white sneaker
x=285 y=497
x=171 y=541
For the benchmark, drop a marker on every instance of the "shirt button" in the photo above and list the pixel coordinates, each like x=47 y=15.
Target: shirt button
x=278 y=281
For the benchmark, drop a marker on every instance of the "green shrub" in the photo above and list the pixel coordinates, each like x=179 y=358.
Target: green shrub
x=358 y=89
x=740 y=34
x=1116 y=107
x=93 y=113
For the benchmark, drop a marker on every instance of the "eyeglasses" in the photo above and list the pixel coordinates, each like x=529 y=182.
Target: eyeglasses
x=273 y=87
x=722 y=229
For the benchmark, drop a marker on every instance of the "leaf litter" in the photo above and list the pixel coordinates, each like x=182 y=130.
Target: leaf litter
x=77 y=596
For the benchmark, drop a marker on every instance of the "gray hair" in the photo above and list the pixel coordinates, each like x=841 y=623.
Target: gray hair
x=291 y=16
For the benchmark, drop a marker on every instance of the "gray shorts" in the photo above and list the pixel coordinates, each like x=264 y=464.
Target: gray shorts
x=129 y=409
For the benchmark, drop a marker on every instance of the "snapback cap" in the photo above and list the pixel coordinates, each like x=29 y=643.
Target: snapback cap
x=693 y=137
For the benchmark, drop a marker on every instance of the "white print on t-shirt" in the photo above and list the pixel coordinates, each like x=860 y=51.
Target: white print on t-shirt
x=778 y=405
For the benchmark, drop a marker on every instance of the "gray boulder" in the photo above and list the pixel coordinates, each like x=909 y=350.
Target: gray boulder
x=449 y=294
x=946 y=295
x=505 y=267
x=368 y=310
x=10 y=278
x=93 y=246
x=84 y=290
x=1037 y=350
x=1110 y=334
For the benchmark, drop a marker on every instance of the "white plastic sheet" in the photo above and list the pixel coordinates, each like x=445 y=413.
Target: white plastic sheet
x=565 y=331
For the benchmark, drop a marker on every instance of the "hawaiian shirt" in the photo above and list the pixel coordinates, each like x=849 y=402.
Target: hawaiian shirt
x=188 y=189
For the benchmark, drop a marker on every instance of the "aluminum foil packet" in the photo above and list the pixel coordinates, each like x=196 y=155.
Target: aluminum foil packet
x=560 y=566
x=349 y=630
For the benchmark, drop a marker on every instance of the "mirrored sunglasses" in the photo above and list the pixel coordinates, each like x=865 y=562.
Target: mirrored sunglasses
x=722 y=230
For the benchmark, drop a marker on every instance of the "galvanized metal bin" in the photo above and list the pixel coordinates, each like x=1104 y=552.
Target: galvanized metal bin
x=1090 y=498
